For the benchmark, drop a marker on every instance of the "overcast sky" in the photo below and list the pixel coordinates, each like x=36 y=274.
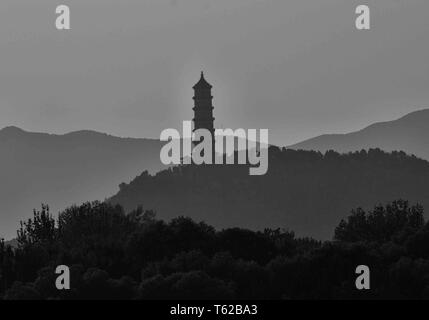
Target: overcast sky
x=296 y=67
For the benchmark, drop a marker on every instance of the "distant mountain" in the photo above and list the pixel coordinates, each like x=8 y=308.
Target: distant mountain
x=61 y=170
x=305 y=191
x=409 y=133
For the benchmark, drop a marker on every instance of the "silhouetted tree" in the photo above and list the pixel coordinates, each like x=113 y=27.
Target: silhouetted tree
x=394 y=221
x=113 y=255
x=38 y=230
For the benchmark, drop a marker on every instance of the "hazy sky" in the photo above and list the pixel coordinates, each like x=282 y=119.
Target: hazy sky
x=296 y=67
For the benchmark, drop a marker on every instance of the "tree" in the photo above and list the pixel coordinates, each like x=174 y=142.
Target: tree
x=38 y=230
x=392 y=222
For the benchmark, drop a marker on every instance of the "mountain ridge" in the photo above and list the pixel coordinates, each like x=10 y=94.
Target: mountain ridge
x=409 y=133
x=14 y=130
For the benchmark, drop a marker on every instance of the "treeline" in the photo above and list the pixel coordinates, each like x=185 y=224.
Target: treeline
x=113 y=255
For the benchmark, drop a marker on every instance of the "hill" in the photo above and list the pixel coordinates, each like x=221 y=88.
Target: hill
x=305 y=191
x=61 y=170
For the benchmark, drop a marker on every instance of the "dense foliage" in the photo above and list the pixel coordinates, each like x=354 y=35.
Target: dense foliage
x=113 y=255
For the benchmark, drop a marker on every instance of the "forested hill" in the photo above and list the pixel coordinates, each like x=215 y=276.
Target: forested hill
x=305 y=191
